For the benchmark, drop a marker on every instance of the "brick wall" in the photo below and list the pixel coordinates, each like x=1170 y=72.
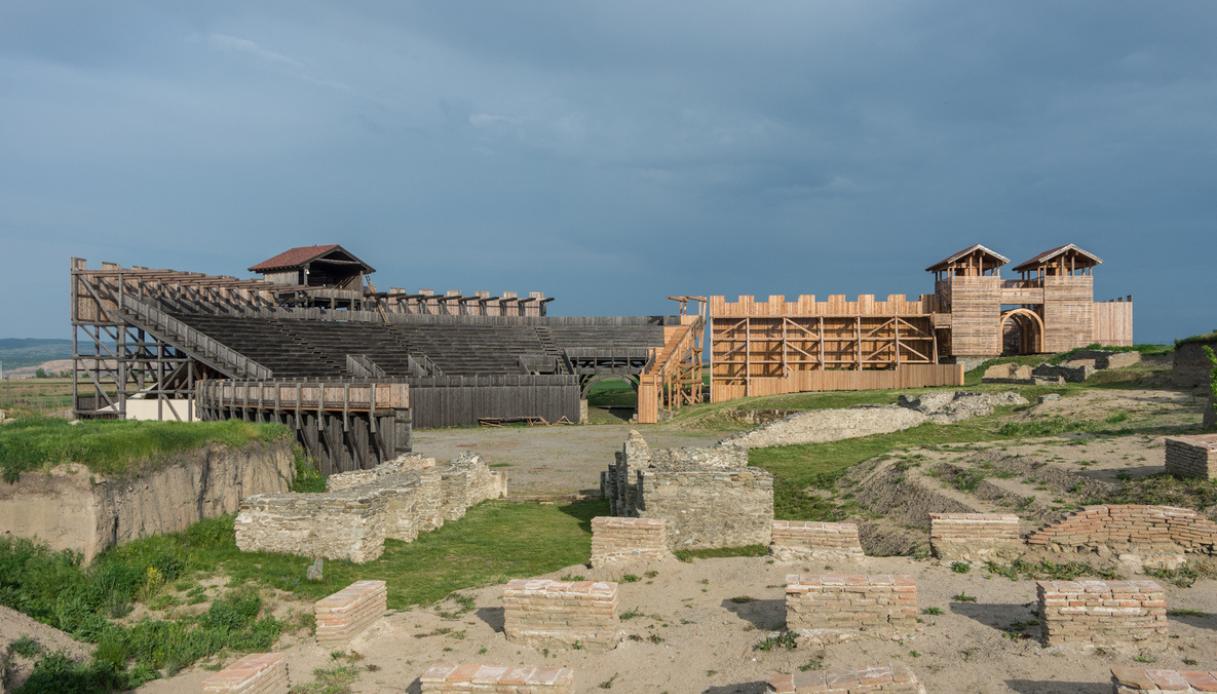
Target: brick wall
x=362 y=508
x=543 y=613
x=618 y=540
x=1145 y=530
x=1139 y=680
x=893 y=679
x=497 y=679
x=1192 y=456
x=974 y=536
x=256 y=673
x=343 y=615
x=881 y=604
x=805 y=540
x=1108 y=614
x=710 y=497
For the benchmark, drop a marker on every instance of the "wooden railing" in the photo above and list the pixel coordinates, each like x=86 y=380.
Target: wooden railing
x=673 y=378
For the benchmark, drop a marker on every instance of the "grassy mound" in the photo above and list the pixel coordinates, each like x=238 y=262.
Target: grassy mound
x=116 y=447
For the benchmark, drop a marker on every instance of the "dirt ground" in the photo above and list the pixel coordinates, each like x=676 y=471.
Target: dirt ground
x=555 y=461
x=699 y=622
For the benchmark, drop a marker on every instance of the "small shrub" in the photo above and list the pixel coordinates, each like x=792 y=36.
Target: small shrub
x=963 y=597
x=630 y=578
x=25 y=647
x=786 y=639
x=931 y=611
x=961 y=567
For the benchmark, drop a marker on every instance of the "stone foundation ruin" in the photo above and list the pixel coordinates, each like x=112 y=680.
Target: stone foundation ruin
x=1139 y=680
x=257 y=673
x=832 y=606
x=497 y=679
x=396 y=500
x=1121 y=615
x=709 y=497
x=795 y=541
x=891 y=679
x=345 y=614
x=543 y=613
x=620 y=540
x=1192 y=456
x=1153 y=535
x=974 y=536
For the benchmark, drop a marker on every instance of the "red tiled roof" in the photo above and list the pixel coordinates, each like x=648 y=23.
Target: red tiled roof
x=295 y=257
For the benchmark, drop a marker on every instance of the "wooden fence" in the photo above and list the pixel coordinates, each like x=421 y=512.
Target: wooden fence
x=446 y=401
x=906 y=376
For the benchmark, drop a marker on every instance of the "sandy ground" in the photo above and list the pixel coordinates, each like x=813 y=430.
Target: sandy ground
x=549 y=462
x=15 y=625
x=692 y=637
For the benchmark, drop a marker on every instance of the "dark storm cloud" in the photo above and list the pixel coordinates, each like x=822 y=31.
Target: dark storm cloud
x=611 y=153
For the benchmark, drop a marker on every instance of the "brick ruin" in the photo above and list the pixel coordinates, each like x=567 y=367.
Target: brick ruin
x=256 y=673
x=544 y=613
x=1139 y=680
x=622 y=540
x=893 y=679
x=709 y=497
x=974 y=536
x=345 y=614
x=361 y=509
x=497 y=679
x=1155 y=534
x=795 y=541
x=1120 y=615
x=880 y=605
x=1192 y=456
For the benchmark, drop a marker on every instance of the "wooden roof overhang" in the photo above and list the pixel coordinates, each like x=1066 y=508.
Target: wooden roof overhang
x=1061 y=260
x=975 y=259
x=303 y=256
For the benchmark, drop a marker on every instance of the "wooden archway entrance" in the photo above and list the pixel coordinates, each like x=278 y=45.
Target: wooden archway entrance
x=1026 y=332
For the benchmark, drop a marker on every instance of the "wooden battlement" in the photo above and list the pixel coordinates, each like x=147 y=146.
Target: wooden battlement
x=805 y=305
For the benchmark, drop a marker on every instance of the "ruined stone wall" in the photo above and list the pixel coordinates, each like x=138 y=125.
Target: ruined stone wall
x=1192 y=456
x=360 y=478
x=69 y=507
x=891 y=679
x=346 y=525
x=1144 y=530
x=883 y=605
x=347 y=613
x=709 y=497
x=256 y=673
x=617 y=540
x=1107 y=614
x=543 y=613
x=497 y=679
x=794 y=541
x=1139 y=680
x=364 y=508
x=974 y=536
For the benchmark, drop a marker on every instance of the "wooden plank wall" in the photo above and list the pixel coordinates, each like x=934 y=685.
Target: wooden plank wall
x=447 y=401
x=907 y=376
x=1113 y=322
x=975 y=305
x=808 y=305
x=1068 y=312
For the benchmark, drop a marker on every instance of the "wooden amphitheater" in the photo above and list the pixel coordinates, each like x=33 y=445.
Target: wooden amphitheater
x=807 y=344
x=312 y=343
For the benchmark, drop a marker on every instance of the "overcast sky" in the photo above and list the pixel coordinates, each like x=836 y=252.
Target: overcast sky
x=612 y=153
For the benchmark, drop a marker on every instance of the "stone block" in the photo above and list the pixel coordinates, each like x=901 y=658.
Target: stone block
x=1118 y=615
x=619 y=540
x=544 y=613
x=974 y=536
x=794 y=541
x=497 y=679
x=877 y=605
x=256 y=673
x=1140 y=680
x=1192 y=456
x=347 y=613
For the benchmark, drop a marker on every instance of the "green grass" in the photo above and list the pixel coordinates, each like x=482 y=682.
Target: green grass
x=612 y=393
x=116 y=447
x=1203 y=338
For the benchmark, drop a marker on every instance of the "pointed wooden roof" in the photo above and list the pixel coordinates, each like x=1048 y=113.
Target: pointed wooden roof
x=300 y=256
x=942 y=264
x=1046 y=256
